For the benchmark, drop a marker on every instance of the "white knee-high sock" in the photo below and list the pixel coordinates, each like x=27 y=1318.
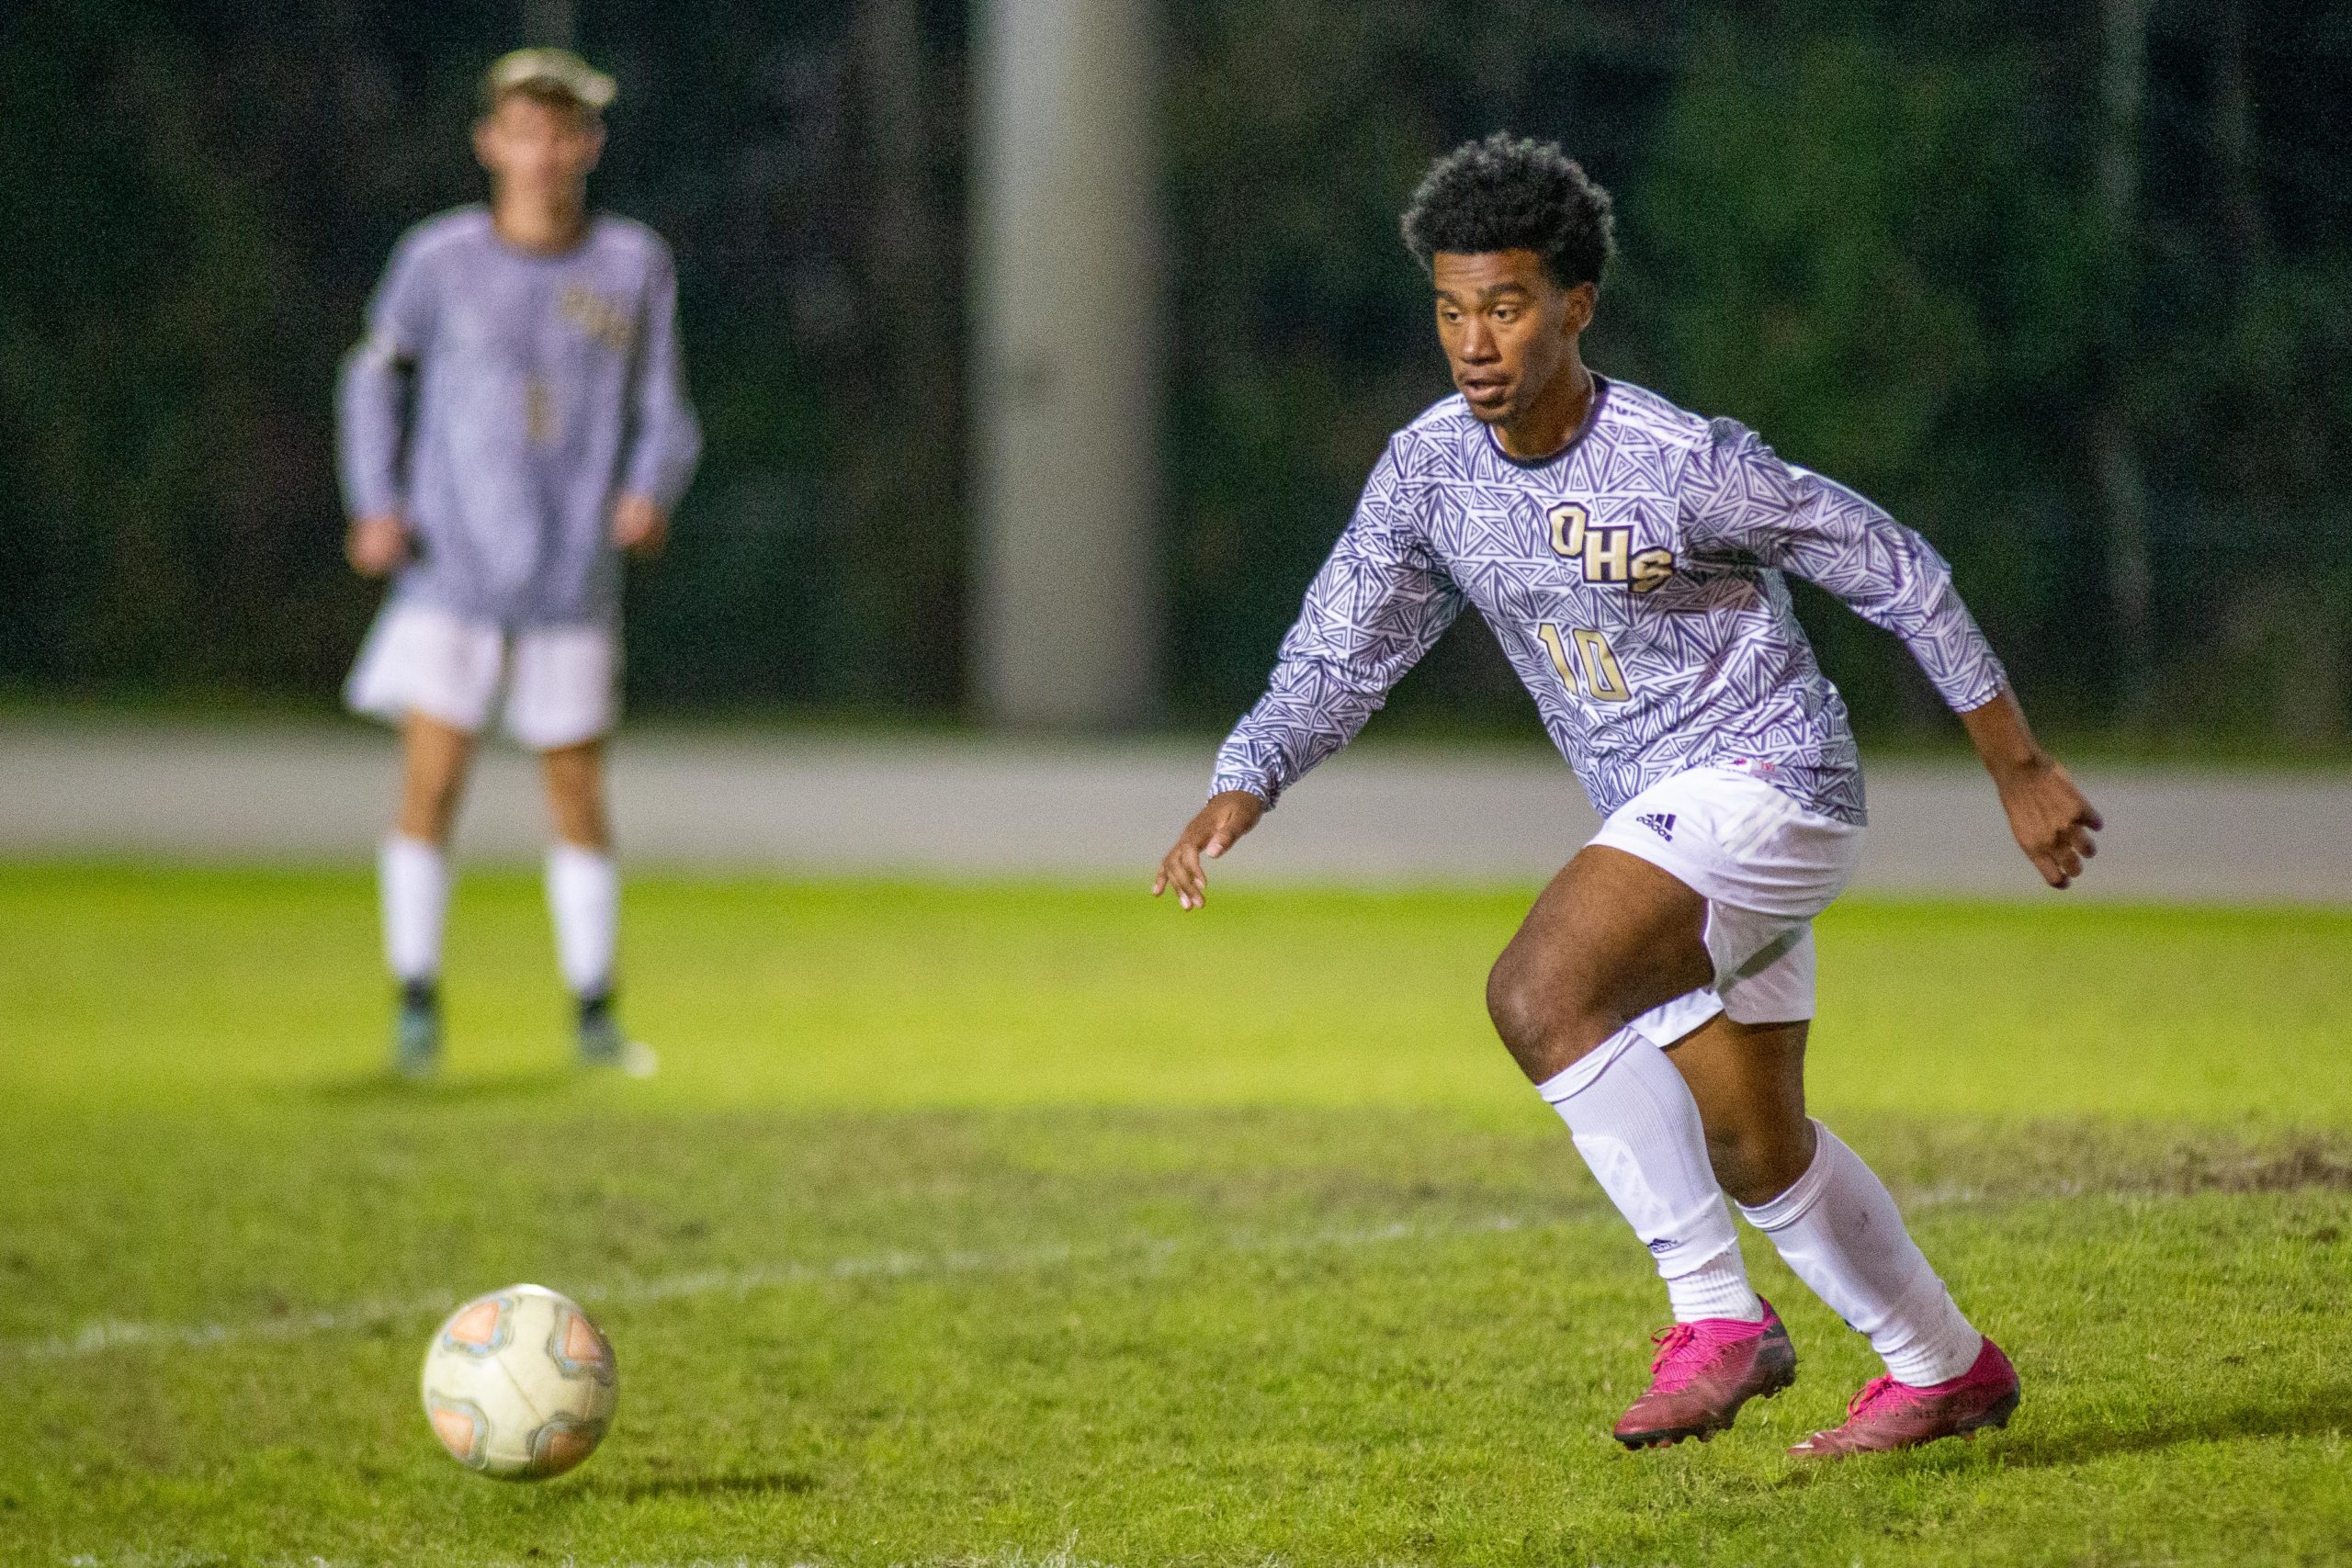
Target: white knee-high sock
x=412 y=878
x=1840 y=1231
x=1639 y=1128
x=584 y=901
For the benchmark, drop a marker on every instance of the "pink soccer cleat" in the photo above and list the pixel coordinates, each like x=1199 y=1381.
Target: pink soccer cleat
x=1703 y=1373
x=1888 y=1415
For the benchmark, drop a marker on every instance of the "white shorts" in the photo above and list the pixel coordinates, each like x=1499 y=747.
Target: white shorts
x=559 y=680
x=1766 y=867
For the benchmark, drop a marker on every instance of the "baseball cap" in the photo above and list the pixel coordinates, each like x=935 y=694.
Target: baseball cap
x=556 y=68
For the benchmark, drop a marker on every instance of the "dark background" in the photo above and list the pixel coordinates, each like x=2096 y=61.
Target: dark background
x=2071 y=295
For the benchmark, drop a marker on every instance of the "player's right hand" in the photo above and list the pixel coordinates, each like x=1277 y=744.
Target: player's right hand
x=377 y=545
x=1228 y=815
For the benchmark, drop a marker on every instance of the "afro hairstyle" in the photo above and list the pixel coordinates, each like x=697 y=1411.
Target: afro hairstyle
x=1511 y=192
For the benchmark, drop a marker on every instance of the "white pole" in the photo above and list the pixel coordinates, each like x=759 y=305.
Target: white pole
x=2122 y=480
x=1067 y=363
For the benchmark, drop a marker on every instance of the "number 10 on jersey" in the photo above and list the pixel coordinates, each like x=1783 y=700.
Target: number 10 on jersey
x=1592 y=669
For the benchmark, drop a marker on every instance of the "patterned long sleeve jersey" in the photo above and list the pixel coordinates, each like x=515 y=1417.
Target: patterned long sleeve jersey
x=499 y=402
x=1634 y=581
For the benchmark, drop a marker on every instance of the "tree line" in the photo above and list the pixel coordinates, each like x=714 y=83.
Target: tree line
x=2068 y=288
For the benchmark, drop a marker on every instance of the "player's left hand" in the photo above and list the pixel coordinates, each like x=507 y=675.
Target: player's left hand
x=2054 y=820
x=640 y=527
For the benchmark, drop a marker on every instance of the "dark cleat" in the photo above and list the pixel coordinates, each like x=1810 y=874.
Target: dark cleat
x=603 y=1045
x=1703 y=1373
x=1888 y=1415
x=417 y=1033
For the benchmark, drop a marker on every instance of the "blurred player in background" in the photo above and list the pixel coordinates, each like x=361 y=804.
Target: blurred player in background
x=515 y=417
x=1629 y=558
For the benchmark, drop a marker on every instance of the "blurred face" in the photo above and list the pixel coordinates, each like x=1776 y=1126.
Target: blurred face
x=1508 y=329
x=538 y=151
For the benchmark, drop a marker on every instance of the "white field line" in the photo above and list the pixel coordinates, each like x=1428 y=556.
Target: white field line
x=213 y=1559
x=1064 y=1556
x=115 y=1334
x=1011 y=1557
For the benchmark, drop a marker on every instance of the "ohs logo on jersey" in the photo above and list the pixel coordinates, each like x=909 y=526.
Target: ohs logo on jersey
x=1608 y=553
x=601 y=316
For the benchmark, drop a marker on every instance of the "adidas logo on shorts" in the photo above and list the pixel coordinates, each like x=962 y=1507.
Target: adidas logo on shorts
x=1658 y=822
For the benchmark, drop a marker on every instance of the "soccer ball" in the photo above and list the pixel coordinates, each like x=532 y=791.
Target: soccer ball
x=519 y=1385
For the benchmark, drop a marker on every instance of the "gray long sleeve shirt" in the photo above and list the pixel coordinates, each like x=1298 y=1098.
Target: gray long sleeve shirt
x=544 y=388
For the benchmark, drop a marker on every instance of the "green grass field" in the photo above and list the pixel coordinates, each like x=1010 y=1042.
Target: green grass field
x=1042 y=1225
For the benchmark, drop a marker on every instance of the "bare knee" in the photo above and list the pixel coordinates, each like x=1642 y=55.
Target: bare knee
x=575 y=780
x=1546 y=1010
x=1609 y=938
x=427 y=810
x=1757 y=1161
x=433 y=779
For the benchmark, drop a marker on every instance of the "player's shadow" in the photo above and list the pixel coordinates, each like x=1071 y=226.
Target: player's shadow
x=2325 y=1412
x=382 y=1087
x=780 y=1482
x=2023 y=1447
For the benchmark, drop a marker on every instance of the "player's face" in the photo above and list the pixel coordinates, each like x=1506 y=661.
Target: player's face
x=1506 y=328
x=538 y=151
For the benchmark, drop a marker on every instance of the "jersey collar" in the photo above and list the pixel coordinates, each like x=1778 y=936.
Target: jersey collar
x=1591 y=418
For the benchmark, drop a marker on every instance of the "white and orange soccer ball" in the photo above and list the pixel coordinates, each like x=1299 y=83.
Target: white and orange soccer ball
x=520 y=1384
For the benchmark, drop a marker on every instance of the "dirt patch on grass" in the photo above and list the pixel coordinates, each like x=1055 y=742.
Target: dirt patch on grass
x=2061 y=1159
x=2296 y=1169
x=1082 y=1162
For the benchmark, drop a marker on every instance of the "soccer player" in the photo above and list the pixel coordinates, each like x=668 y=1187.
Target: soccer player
x=1629 y=556
x=515 y=417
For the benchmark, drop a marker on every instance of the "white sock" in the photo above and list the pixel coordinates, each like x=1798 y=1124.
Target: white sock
x=1637 y=1127
x=584 y=900
x=1839 y=1229
x=412 y=878
x=1717 y=1288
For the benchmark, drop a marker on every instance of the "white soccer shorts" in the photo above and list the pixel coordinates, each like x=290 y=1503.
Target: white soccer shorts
x=1766 y=867
x=560 y=682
